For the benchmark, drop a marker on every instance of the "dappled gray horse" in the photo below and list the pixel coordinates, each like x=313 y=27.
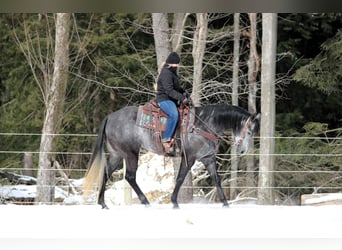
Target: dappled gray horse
x=124 y=139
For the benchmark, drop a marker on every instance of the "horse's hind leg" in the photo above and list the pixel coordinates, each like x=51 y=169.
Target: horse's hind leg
x=131 y=172
x=210 y=164
x=102 y=191
x=112 y=165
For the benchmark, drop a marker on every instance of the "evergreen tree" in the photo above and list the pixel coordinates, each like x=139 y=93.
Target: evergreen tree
x=324 y=72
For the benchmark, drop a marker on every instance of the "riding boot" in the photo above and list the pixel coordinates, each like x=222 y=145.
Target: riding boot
x=168 y=147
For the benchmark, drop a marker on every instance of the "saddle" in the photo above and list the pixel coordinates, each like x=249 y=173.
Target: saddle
x=151 y=116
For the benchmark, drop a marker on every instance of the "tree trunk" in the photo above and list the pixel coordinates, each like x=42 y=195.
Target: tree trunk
x=185 y=194
x=163 y=48
x=253 y=69
x=177 y=31
x=54 y=111
x=199 y=44
x=267 y=142
x=161 y=37
x=97 y=111
x=235 y=101
x=235 y=83
x=253 y=65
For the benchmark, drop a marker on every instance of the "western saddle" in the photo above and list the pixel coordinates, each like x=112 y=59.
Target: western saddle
x=151 y=116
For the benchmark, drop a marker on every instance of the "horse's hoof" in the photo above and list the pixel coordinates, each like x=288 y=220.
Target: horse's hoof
x=175 y=206
x=225 y=205
x=147 y=205
x=104 y=206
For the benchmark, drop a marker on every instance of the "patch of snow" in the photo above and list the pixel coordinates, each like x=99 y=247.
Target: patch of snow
x=320 y=198
x=28 y=179
x=244 y=200
x=155 y=177
x=115 y=195
x=26 y=192
x=155 y=172
x=77 y=182
x=73 y=200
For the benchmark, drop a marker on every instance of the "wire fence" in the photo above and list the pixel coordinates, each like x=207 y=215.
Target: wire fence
x=287 y=179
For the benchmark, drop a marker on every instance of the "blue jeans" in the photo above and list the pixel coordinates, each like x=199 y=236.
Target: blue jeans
x=170 y=108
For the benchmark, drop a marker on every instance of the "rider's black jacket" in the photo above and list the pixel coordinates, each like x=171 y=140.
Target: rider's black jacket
x=168 y=87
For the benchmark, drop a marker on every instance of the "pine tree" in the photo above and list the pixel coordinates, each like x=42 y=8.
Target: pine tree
x=324 y=72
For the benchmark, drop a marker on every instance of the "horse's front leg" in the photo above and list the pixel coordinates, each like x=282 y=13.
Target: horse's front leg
x=183 y=170
x=210 y=164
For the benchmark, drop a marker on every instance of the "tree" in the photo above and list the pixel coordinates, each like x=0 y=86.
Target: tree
x=253 y=64
x=163 y=48
x=162 y=43
x=179 y=19
x=178 y=31
x=54 y=110
x=20 y=99
x=112 y=64
x=267 y=129
x=198 y=50
x=235 y=101
x=253 y=70
x=324 y=72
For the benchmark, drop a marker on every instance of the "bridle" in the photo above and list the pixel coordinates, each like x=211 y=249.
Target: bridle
x=244 y=131
x=214 y=137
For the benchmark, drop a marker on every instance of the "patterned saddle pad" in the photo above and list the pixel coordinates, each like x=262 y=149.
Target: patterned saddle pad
x=152 y=117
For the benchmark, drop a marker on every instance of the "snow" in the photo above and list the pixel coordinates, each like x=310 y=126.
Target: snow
x=320 y=198
x=26 y=192
x=155 y=176
x=155 y=172
x=162 y=221
x=27 y=179
x=243 y=219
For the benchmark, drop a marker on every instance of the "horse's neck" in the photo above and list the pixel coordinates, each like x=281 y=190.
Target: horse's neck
x=219 y=118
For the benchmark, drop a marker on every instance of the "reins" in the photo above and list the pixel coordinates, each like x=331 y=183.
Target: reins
x=213 y=136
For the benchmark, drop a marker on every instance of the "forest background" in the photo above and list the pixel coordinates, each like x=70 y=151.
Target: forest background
x=113 y=64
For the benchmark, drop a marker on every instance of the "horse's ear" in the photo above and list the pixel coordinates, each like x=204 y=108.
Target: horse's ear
x=256 y=116
x=256 y=122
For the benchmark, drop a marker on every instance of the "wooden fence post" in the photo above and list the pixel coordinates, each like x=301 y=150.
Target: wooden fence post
x=28 y=164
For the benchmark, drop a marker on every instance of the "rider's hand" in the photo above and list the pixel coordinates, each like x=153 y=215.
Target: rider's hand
x=186 y=94
x=185 y=101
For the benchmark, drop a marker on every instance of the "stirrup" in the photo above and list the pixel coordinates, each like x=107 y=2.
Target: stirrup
x=169 y=148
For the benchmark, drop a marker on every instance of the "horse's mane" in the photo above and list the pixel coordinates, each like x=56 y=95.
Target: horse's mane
x=222 y=116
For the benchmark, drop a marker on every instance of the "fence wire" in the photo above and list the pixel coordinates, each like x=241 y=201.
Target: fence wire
x=220 y=171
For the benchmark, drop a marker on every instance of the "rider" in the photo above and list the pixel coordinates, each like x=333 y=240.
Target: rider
x=169 y=96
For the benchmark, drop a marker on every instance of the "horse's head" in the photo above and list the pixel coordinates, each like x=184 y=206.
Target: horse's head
x=242 y=138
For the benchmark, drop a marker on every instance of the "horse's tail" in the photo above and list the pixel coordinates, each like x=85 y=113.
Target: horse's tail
x=95 y=173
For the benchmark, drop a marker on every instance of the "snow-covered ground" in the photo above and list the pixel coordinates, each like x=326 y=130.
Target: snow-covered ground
x=193 y=226
x=161 y=221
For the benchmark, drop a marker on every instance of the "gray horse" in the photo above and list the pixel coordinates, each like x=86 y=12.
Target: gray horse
x=124 y=139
